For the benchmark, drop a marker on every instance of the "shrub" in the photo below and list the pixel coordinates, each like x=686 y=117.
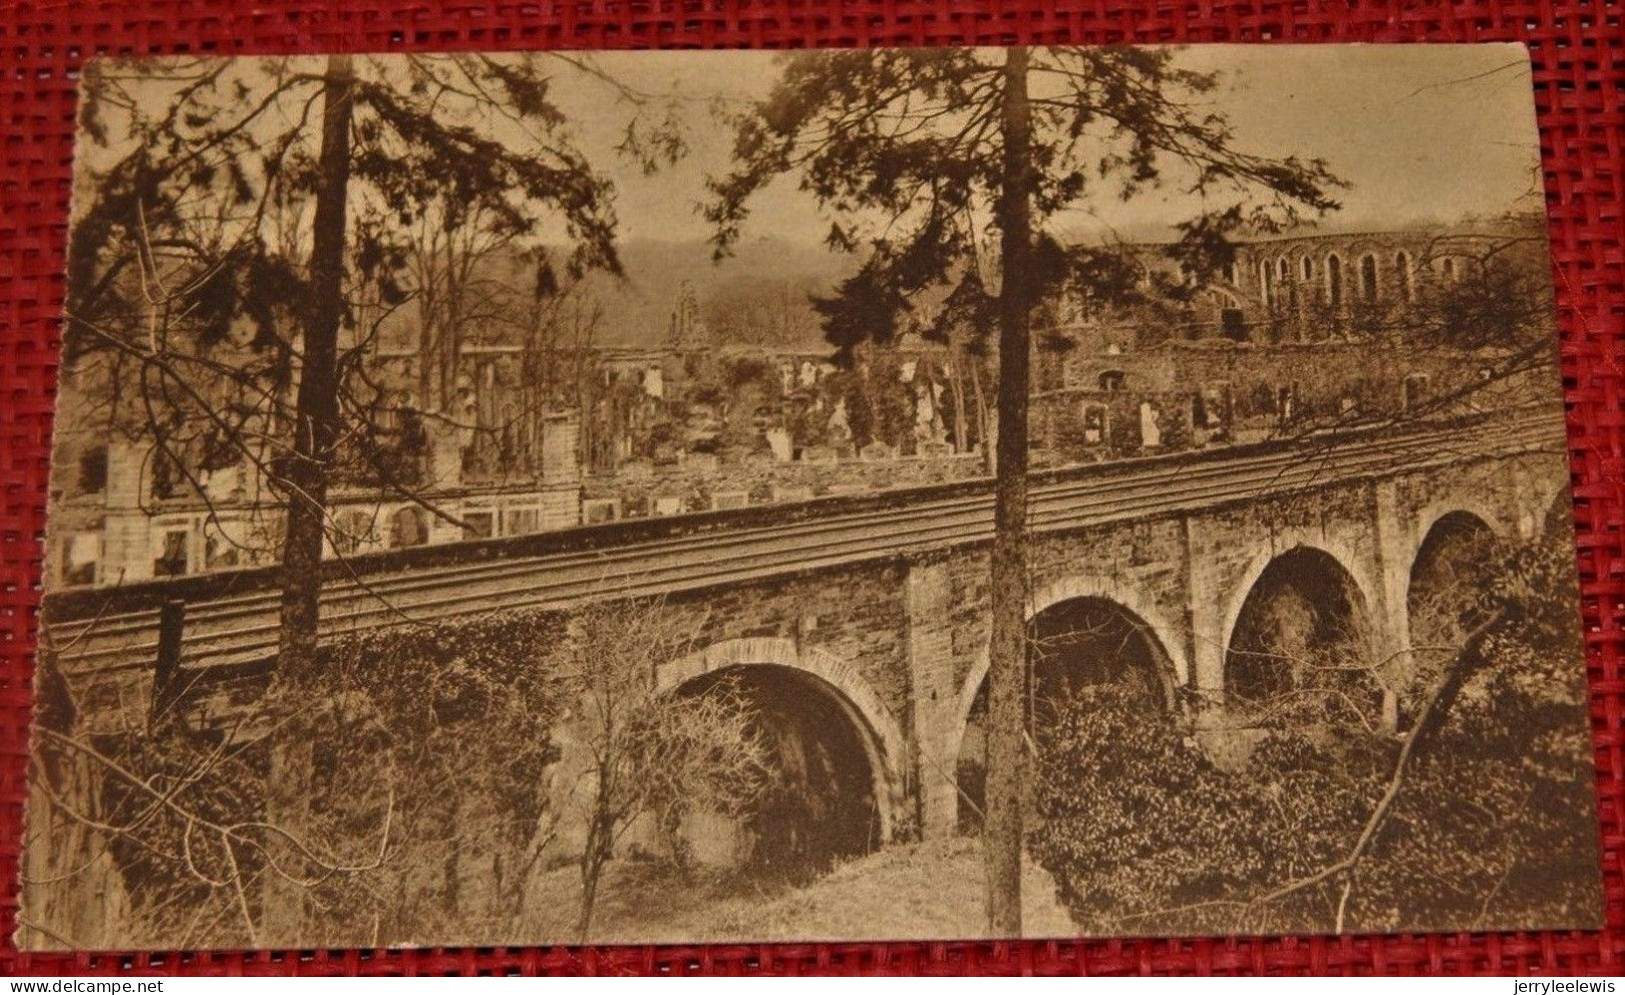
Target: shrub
x=424 y=749
x=1490 y=824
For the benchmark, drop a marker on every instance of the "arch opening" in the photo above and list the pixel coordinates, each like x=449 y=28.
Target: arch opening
x=822 y=804
x=1445 y=598
x=1301 y=649
x=352 y=531
x=1368 y=278
x=407 y=528
x=1076 y=649
x=1334 y=280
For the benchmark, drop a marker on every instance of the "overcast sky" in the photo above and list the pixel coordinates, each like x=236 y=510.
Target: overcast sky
x=1421 y=132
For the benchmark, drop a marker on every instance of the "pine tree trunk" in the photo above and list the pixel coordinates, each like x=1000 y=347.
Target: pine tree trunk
x=316 y=407
x=1007 y=651
x=306 y=473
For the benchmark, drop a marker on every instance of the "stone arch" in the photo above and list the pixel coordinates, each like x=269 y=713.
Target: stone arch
x=1328 y=580
x=1341 y=549
x=1407 y=279
x=1220 y=297
x=877 y=728
x=1445 y=544
x=1430 y=515
x=1334 y=279
x=1369 y=277
x=1156 y=627
x=1474 y=513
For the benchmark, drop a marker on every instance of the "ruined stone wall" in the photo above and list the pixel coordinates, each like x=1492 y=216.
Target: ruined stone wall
x=1226 y=391
x=1141 y=565
x=856 y=613
x=701 y=483
x=1082 y=425
x=913 y=630
x=1306 y=261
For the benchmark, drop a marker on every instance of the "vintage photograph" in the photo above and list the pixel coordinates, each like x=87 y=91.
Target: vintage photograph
x=677 y=497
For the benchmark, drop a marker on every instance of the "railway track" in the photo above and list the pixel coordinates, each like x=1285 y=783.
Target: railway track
x=243 y=628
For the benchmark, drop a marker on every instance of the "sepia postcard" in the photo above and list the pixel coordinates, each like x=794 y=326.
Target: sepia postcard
x=535 y=498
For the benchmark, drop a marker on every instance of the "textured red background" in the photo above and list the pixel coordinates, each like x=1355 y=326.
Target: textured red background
x=1579 y=54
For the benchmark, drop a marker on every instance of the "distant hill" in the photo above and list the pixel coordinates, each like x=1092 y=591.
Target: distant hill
x=638 y=309
x=759 y=295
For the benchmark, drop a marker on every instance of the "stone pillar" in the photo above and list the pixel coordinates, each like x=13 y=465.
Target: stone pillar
x=561 y=506
x=561 y=469
x=1525 y=503
x=124 y=463
x=126 y=547
x=1210 y=589
x=127 y=528
x=559 y=437
x=1392 y=528
x=1207 y=593
x=445 y=457
x=935 y=696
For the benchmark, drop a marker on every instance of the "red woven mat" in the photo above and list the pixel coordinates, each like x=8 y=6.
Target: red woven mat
x=1579 y=55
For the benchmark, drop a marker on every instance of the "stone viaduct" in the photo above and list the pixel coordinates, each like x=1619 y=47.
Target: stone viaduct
x=878 y=606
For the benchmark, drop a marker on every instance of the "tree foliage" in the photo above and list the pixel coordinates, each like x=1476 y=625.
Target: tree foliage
x=190 y=291
x=922 y=155
x=648 y=751
x=415 y=754
x=904 y=148
x=1483 y=819
x=435 y=737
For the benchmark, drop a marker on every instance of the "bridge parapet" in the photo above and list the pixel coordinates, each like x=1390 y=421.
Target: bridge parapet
x=1175 y=541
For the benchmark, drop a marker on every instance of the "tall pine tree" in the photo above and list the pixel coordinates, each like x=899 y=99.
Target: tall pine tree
x=923 y=156
x=243 y=226
x=238 y=216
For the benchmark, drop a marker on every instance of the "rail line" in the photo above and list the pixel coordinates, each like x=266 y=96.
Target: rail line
x=241 y=628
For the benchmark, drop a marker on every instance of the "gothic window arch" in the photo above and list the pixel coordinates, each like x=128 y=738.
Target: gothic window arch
x=407 y=528
x=351 y=532
x=1334 y=280
x=1407 y=284
x=1368 y=277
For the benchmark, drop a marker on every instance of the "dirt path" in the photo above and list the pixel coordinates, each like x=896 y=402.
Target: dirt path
x=918 y=891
